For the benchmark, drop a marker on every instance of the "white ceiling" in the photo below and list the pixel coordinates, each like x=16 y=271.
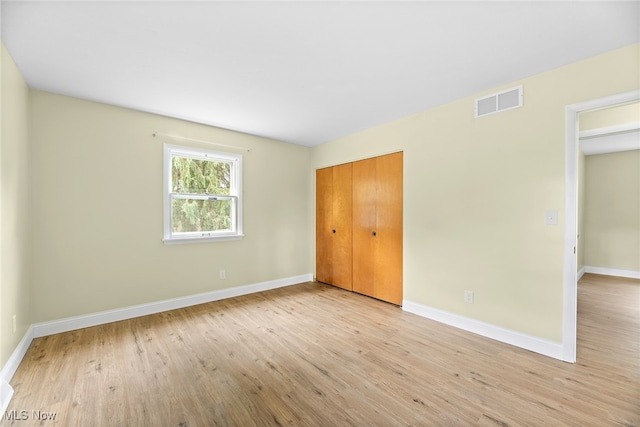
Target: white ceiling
x=302 y=72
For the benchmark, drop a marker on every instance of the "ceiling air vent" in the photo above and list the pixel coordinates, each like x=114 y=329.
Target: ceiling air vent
x=501 y=101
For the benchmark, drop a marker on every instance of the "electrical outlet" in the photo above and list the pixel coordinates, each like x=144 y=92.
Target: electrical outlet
x=551 y=217
x=223 y=274
x=468 y=297
x=13 y=323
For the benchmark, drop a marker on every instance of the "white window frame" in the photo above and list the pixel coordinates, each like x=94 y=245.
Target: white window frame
x=235 y=190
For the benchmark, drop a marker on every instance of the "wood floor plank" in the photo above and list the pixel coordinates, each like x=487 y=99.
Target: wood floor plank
x=314 y=355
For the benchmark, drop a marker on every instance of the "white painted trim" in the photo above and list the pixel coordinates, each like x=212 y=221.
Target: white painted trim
x=6 y=392
x=12 y=364
x=190 y=240
x=611 y=143
x=235 y=192
x=570 y=261
x=581 y=273
x=631 y=274
x=508 y=336
x=627 y=127
x=569 y=276
x=100 y=318
x=10 y=368
x=84 y=321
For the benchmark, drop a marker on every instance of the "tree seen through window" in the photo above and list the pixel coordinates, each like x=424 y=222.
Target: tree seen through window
x=200 y=187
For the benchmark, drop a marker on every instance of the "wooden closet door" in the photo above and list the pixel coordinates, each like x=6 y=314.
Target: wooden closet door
x=334 y=221
x=377 y=229
x=388 y=253
x=342 y=228
x=324 y=218
x=364 y=225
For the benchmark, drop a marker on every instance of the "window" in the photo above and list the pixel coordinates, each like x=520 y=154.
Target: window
x=202 y=195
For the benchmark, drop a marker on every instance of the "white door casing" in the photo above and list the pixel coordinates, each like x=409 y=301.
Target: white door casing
x=570 y=288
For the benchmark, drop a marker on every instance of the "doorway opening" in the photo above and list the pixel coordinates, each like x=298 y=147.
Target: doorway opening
x=570 y=275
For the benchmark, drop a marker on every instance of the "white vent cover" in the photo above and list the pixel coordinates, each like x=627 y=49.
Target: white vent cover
x=501 y=101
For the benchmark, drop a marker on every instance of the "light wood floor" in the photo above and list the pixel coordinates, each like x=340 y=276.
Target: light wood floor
x=313 y=354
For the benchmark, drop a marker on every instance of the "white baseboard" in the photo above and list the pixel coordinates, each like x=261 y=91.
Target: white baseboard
x=518 y=339
x=6 y=391
x=581 y=273
x=631 y=274
x=103 y=317
x=84 y=321
x=10 y=368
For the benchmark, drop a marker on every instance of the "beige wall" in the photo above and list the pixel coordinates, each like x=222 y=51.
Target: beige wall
x=623 y=114
x=612 y=211
x=98 y=221
x=608 y=182
x=15 y=289
x=476 y=191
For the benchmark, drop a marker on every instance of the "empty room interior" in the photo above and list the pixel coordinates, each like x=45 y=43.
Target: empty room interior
x=320 y=213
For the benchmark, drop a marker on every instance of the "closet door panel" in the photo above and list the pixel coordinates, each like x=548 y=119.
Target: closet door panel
x=388 y=240
x=364 y=225
x=342 y=224
x=324 y=218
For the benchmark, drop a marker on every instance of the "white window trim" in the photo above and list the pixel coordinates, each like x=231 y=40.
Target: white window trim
x=198 y=237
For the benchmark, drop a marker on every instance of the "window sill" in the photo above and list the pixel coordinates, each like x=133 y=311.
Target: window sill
x=183 y=240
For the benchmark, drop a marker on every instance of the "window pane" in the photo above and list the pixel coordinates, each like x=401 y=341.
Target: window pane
x=192 y=215
x=202 y=194
x=200 y=176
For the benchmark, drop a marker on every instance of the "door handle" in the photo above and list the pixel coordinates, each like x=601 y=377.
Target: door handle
x=373 y=233
x=333 y=231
